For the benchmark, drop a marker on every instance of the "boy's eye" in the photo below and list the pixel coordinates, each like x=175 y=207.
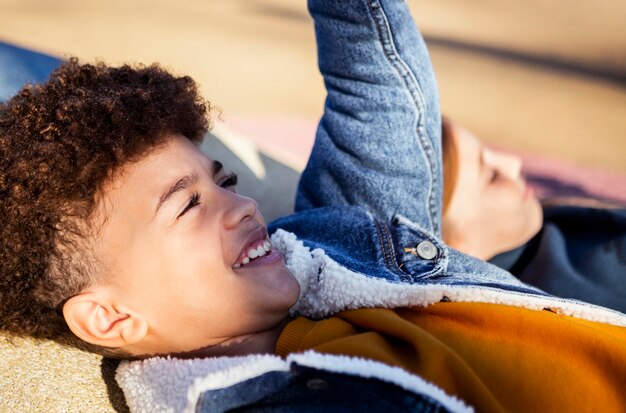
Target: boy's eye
x=193 y=201
x=227 y=182
x=230 y=180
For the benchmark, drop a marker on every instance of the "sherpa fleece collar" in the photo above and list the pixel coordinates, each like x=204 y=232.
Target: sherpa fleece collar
x=326 y=287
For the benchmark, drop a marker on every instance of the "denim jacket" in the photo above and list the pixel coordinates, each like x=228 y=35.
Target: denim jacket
x=366 y=233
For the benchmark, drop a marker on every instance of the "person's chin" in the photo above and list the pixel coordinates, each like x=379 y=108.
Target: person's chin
x=523 y=229
x=535 y=217
x=284 y=285
x=291 y=288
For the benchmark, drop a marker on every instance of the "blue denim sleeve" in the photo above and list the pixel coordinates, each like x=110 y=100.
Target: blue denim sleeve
x=20 y=66
x=378 y=142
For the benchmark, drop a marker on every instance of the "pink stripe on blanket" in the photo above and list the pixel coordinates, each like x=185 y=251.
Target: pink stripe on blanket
x=552 y=177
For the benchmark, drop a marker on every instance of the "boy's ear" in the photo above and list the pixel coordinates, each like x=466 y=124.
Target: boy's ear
x=96 y=320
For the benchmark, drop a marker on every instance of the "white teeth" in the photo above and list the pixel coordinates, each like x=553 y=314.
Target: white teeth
x=253 y=253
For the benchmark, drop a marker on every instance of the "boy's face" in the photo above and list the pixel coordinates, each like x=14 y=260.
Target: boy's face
x=173 y=244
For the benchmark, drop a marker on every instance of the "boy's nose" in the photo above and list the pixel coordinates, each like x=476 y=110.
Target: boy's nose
x=239 y=208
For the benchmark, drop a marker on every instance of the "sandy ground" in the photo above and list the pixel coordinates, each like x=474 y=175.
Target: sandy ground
x=543 y=76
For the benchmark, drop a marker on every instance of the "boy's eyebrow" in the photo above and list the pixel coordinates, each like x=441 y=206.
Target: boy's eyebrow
x=183 y=183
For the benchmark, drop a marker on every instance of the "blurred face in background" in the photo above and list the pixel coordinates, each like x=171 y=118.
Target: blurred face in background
x=488 y=206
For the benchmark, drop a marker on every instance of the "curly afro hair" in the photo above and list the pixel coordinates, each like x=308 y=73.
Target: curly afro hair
x=59 y=144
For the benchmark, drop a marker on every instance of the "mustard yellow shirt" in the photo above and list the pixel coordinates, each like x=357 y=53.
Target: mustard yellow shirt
x=494 y=357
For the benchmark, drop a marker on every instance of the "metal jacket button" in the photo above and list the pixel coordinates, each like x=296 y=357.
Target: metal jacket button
x=426 y=250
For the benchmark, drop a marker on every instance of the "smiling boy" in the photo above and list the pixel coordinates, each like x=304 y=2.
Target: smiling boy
x=119 y=233
x=115 y=226
x=183 y=246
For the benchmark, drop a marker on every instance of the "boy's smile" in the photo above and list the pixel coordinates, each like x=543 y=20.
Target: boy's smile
x=258 y=247
x=185 y=256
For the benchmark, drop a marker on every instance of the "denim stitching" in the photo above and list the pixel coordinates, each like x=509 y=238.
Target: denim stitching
x=389 y=253
x=386 y=38
x=392 y=254
x=382 y=245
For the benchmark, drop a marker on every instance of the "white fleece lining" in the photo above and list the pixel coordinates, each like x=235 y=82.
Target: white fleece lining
x=174 y=385
x=254 y=366
x=327 y=287
x=162 y=384
x=338 y=364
